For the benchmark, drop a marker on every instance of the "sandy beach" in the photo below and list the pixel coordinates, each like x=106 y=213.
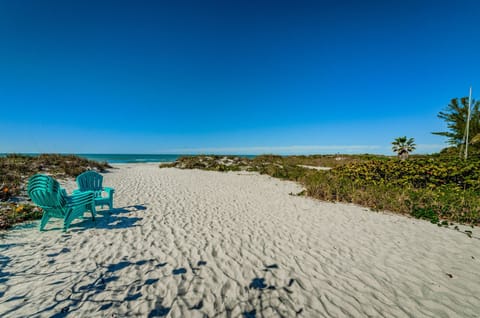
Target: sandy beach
x=191 y=243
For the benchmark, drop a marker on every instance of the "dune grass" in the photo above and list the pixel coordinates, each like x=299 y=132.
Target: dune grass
x=437 y=188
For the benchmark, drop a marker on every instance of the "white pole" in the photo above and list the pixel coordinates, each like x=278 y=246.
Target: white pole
x=468 y=123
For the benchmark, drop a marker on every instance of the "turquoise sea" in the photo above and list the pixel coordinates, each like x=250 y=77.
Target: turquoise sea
x=129 y=158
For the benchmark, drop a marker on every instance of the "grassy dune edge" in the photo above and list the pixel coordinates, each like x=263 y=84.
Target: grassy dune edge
x=438 y=188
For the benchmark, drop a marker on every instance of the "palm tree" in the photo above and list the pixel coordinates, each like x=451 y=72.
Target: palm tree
x=455 y=115
x=403 y=146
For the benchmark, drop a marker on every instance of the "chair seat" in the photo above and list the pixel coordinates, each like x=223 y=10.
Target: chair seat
x=102 y=201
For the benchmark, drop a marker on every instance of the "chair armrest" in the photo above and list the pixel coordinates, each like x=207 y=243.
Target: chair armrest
x=81 y=198
x=109 y=190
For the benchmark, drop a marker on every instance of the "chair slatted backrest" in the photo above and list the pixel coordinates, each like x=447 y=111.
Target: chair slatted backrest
x=90 y=181
x=47 y=194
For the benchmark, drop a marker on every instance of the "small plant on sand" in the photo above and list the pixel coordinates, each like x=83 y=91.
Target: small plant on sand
x=12 y=213
x=426 y=214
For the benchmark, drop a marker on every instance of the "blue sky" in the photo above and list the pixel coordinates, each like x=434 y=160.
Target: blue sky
x=232 y=76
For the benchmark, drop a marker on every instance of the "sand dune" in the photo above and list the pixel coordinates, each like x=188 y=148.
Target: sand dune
x=189 y=243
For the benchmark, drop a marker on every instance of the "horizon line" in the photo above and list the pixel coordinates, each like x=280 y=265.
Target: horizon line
x=258 y=150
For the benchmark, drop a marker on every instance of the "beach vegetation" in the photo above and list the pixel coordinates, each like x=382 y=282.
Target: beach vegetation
x=12 y=213
x=15 y=169
x=455 y=116
x=436 y=187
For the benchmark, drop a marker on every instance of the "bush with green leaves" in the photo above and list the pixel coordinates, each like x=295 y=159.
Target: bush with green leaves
x=434 y=187
x=419 y=172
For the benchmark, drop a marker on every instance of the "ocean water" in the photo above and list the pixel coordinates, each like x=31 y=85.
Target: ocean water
x=137 y=158
x=128 y=158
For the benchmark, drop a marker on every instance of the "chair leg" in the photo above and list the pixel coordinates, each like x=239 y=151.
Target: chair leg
x=93 y=211
x=69 y=217
x=68 y=220
x=44 y=221
x=66 y=224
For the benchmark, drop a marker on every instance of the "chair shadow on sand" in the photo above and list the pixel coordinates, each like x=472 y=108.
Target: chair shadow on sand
x=98 y=285
x=88 y=287
x=110 y=219
x=4 y=260
x=261 y=297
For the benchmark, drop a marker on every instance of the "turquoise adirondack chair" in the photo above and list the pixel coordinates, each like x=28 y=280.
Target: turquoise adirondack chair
x=48 y=195
x=92 y=181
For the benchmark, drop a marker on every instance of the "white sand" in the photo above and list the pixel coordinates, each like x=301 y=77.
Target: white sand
x=189 y=243
x=315 y=167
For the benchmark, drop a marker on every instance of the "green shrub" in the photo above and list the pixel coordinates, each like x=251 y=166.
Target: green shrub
x=419 y=173
x=445 y=202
